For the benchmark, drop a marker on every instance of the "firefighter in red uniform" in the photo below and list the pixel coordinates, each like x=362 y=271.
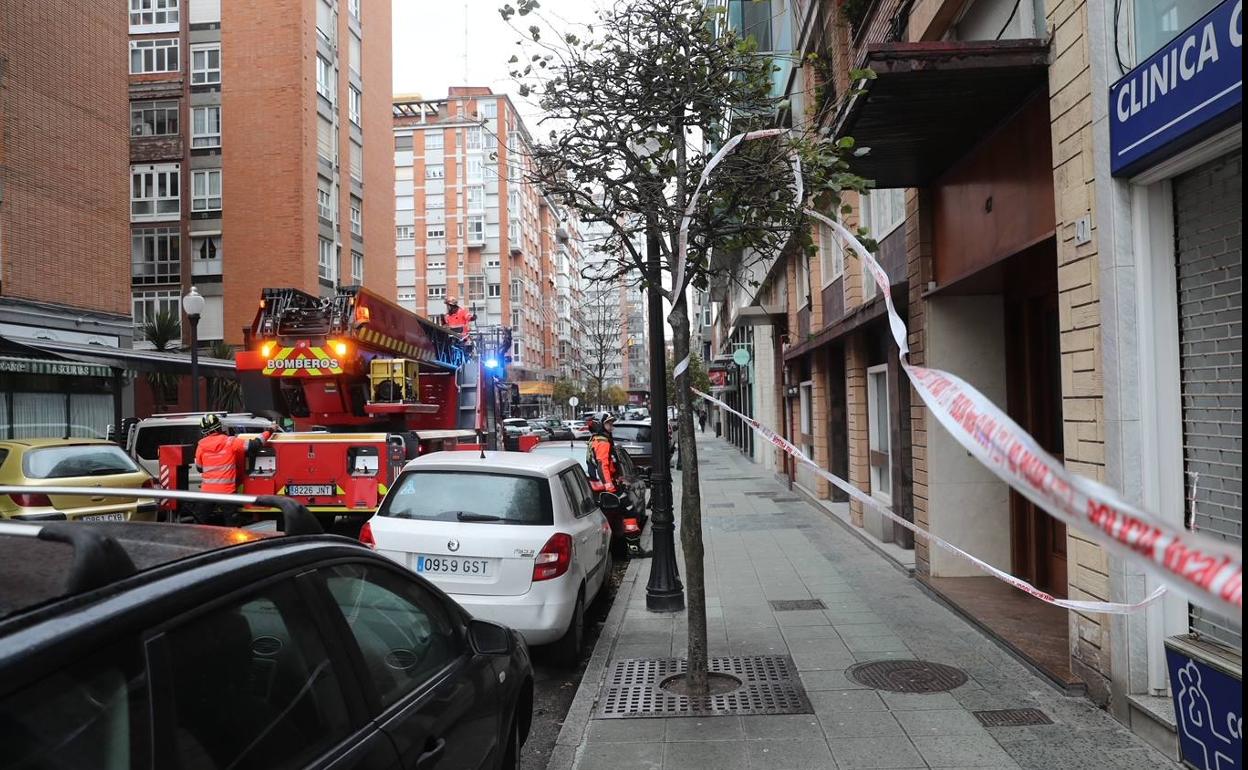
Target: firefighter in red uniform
x=457 y=317
x=219 y=457
x=601 y=454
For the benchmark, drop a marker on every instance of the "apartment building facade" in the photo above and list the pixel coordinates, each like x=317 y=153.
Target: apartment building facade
x=64 y=278
x=1088 y=283
x=471 y=224
x=260 y=153
x=614 y=317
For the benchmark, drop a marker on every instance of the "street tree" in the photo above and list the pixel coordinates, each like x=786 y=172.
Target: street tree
x=563 y=391
x=614 y=396
x=636 y=105
x=695 y=378
x=603 y=325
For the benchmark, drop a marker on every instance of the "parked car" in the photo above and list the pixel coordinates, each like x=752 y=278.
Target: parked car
x=514 y=537
x=147 y=436
x=634 y=437
x=71 y=463
x=634 y=493
x=143 y=645
x=517 y=426
x=579 y=428
x=557 y=430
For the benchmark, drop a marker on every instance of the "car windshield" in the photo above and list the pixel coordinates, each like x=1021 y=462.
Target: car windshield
x=638 y=433
x=470 y=497
x=62 y=462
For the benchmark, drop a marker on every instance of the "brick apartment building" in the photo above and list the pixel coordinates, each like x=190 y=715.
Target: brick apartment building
x=1091 y=289
x=64 y=278
x=259 y=155
x=469 y=225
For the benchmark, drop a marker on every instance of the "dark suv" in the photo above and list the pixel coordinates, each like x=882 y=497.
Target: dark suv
x=131 y=645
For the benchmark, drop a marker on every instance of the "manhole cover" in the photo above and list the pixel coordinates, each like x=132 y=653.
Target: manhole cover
x=769 y=685
x=1012 y=717
x=907 y=676
x=787 y=605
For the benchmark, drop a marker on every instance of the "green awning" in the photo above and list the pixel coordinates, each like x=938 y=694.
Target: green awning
x=21 y=365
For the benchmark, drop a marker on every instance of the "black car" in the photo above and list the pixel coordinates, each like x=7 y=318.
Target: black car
x=132 y=645
x=634 y=490
x=558 y=431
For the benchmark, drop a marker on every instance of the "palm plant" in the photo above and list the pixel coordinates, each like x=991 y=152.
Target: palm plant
x=224 y=391
x=163 y=331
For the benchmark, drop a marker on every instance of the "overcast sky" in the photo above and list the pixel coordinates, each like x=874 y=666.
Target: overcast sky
x=430 y=38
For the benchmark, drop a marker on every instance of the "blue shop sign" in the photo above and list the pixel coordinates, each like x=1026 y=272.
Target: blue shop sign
x=1190 y=89
x=1208 y=707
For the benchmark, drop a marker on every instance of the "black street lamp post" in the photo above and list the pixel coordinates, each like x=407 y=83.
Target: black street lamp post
x=193 y=306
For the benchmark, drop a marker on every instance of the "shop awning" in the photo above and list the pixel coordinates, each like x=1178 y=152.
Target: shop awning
x=932 y=102
x=61 y=368
x=121 y=358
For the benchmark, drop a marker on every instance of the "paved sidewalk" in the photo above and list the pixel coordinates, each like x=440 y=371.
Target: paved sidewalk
x=763 y=548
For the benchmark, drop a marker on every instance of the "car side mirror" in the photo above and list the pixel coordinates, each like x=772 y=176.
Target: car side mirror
x=608 y=500
x=489 y=638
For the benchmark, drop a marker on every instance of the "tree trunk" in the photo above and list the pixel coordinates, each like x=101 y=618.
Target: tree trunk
x=690 y=507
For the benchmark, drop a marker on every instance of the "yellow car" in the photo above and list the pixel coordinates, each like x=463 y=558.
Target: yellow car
x=43 y=462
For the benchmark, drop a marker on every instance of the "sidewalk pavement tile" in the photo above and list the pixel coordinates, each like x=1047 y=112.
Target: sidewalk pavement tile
x=802 y=618
x=816 y=660
x=940 y=722
x=719 y=755
x=911 y=701
x=836 y=701
x=704 y=729
x=840 y=617
x=859 y=724
x=852 y=631
x=626 y=730
x=618 y=756
x=800 y=754
x=826 y=679
x=875 y=644
x=963 y=751
x=780 y=726
x=871 y=753
x=798 y=633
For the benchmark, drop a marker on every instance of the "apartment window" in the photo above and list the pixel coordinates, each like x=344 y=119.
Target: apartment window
x=476 y=170
x=806 y=407
x=326 y=264
x=513 y=233
x=493 y=261
x=435 y=172
x=325 y=26
x=884 y=211
x=489 y=110
x=325 y=80
x=206 y=126
x=404 y=233
x=151 y=56
x=325 y=143
x=356 y=161
x=476 y=198
x=436 y=261
x=404 y=203
x=803 y=279
x=155 y=192
x=324 y=203
x=353 y=6
x=357 y=267
x=517 y=290
x=154 y=255
x=206 y=64
x=476 y=137
x=357 y=217
x=476 y=229
x=878 y=437
x=433 y=140
x=153 y=16
x=435 y=201
x=435 y=231
x=154 y=118
x=437 y=292
x=353 y=52
x=494 y=291
x=476 y=288
x=146 y=305
x=353 y=104
x=206 y=190
x=831 y=255
x=205 y=255
x=513 y=200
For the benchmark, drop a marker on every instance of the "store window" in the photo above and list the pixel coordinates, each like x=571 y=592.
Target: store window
x=1157 y=22
x=878 y=439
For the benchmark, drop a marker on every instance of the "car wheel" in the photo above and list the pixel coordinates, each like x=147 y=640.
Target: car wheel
x=567 y=650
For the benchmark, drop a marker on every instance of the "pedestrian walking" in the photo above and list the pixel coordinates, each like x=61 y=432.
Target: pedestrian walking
x=702 y=420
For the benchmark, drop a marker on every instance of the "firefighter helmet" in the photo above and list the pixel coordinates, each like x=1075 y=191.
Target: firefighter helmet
x=210 y=423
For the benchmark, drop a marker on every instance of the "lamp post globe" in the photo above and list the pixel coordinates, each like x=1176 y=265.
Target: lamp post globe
x=193 y=305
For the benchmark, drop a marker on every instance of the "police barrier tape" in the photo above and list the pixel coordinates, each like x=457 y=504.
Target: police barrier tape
x=1208 y=573
x=862 y=497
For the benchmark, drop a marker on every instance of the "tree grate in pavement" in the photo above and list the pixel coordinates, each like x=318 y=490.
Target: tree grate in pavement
x=907 y=676
x=789 y=605
x=1012 y=717
x=769 y=685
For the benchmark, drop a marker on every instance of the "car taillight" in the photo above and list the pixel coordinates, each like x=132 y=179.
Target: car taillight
x=630 y=526
x=554 y=558
x=28 y=500
x=366 y=536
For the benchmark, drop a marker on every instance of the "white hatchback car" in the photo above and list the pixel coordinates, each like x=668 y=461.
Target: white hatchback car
x=514 y=537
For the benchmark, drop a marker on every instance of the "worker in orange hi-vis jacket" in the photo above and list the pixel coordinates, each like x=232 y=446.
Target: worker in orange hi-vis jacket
x=457 y=317
x=600 y=454
x=219 y=457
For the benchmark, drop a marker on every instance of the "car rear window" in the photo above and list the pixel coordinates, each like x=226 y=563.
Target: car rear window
x=488 y=498
x=639 y=433
x=62 y=462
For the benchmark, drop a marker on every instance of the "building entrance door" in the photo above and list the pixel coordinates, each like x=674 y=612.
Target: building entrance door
x=1034 y=395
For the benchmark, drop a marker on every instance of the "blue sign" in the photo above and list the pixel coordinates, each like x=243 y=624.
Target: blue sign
x=1190 y=89
x=1208 y=707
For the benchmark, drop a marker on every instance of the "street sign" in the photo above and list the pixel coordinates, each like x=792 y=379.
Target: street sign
x=741 y=356
x=573 y=401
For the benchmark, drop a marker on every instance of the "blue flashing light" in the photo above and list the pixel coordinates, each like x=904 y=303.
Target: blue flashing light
x=491 y=363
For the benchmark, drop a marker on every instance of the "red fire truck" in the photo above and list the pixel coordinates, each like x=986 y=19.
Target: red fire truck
x=368 y=385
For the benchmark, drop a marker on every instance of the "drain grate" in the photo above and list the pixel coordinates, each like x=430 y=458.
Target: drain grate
x=1012 y=717
x=907 y=676
x=788 y=605
x=769 y=685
